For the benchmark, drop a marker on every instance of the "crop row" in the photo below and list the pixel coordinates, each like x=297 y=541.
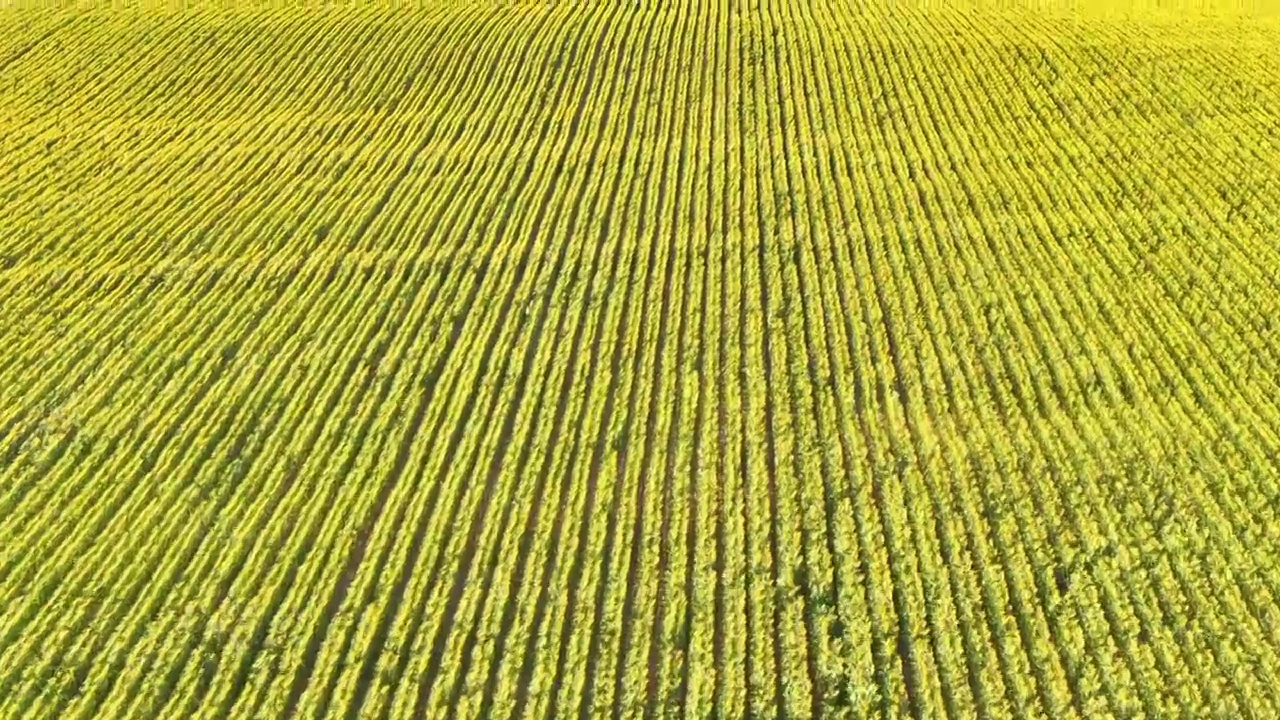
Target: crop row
x=792 y=359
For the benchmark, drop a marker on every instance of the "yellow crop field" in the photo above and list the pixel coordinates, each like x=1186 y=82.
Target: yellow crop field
x=690 y=359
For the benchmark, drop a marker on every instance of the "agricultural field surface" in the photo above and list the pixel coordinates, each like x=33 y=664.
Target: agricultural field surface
x=740 y=359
